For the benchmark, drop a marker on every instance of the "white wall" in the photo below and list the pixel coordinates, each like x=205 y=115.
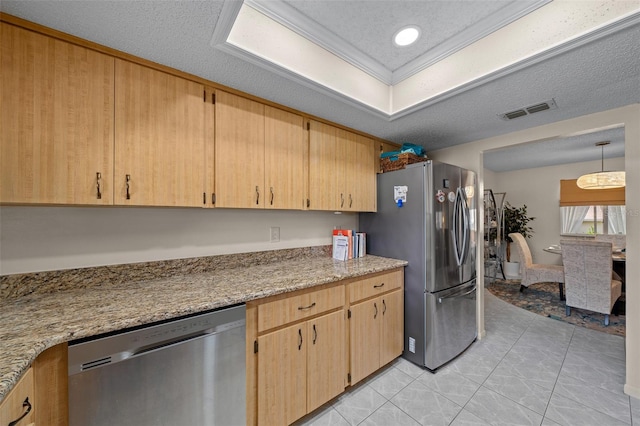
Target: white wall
x=51 y=238
x=470 y=156
x=539 y=189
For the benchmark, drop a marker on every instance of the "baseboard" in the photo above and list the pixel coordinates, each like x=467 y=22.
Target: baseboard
x=632 y=391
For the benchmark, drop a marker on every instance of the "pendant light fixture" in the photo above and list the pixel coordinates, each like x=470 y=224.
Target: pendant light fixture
x=603 y=179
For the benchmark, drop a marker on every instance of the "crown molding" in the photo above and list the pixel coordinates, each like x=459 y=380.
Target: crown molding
x=291 y=18
x=604 y=31
x=297 y=78
x=505 y=16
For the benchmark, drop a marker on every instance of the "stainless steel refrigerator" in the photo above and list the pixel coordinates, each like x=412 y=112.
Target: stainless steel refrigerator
x=427 y=216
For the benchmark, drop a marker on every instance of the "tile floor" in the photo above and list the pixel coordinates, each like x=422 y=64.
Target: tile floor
x=529 y=370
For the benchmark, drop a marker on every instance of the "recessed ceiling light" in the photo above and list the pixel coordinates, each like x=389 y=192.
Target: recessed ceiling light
x=406 y=36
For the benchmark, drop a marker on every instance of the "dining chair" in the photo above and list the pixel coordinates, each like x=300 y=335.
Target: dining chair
x=535 y=272
x=588 y=277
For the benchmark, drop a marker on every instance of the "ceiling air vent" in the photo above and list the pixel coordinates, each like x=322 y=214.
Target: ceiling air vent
x=532 y=109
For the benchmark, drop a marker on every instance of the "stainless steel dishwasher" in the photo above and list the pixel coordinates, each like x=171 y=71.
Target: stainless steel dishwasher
x=188 y=372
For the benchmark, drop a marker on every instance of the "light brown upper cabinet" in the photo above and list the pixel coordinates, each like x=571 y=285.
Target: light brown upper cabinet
x=356 y=172
x=323 y=168
x=159 y=138
x=239 y=153
x=284 y=159
x=341 y=170
x=56 y=125
x=259 y=155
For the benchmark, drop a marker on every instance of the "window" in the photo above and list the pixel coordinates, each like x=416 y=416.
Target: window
x=593 y=220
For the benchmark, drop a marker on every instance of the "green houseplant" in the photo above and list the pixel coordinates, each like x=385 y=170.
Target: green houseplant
x=516 y=220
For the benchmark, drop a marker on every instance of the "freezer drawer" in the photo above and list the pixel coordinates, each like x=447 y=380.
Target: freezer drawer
x=451 y=323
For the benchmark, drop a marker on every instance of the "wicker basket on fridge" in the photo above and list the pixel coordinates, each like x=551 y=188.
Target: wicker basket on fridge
x=388 y=164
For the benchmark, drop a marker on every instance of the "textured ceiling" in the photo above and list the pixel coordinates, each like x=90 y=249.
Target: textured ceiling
x=596 y=76
x=571 y=149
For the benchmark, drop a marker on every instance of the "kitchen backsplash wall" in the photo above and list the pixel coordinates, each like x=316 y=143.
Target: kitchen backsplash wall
x=34 y=239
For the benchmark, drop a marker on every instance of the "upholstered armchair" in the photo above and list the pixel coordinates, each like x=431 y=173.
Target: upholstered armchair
x=587 y=276
x=535 y=272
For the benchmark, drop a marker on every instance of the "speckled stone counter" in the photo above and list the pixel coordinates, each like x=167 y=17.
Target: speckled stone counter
x=65 y=309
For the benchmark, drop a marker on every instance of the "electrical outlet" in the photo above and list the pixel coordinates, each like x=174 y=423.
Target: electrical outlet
x=275 y=234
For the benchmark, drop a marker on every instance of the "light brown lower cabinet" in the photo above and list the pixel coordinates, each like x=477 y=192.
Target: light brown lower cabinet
x=376 y=328
x=18 y=405
x=41 y=394
x=303 y=346
x=300 y=367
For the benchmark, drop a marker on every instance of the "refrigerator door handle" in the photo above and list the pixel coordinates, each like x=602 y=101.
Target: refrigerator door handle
x=467 y=233
x=460 y=207
x=454 y=296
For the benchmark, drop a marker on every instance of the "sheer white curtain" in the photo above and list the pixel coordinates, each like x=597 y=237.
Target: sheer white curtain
x=572 y=217
x=616 y=218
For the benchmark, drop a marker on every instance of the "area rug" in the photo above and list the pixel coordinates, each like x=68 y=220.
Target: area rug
x=543 y=299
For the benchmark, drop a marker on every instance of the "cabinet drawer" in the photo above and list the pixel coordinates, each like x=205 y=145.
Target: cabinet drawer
x=299 y=306
x=12 y=408
x=377 y=284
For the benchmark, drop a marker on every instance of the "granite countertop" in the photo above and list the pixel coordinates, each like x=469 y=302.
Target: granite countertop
x=35 y=322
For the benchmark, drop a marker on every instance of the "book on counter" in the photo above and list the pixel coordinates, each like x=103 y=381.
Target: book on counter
x=348 y=244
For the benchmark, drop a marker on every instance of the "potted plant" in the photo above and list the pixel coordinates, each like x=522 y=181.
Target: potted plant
x=515 y=220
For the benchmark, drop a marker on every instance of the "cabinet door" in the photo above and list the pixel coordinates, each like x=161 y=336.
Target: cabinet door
x=56 y=121
x=363 y=179
x=323 y=190
x=346 y=170
x=282 y=366
x=284 y=159
x=326 y=364
x=239 y=152
x=365 y=335
x=12 y=407
x=159 y=138
x=391 y=345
